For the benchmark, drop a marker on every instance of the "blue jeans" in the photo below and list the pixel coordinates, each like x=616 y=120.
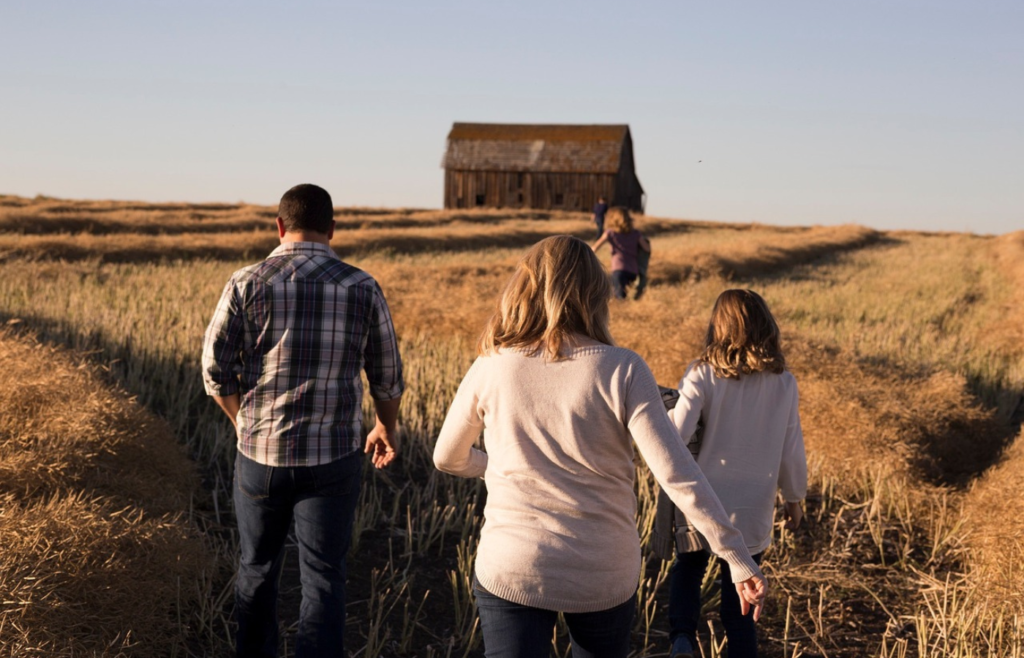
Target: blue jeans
x=684 y=604
x=322 y=501
x=511 y=630
x=621 y=279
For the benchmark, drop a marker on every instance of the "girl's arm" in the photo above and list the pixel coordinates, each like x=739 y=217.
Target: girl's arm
x=601 y=241
x=454 y=452
x=686 y=414
x=793 y=469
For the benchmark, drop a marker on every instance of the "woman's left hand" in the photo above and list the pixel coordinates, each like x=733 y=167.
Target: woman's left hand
x=752 y=592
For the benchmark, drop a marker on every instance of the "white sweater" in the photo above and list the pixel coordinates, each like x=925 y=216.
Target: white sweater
x=560 y=530
x=752 y=443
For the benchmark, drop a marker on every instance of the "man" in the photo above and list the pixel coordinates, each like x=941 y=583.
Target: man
x=600 y=210
x=282 y=357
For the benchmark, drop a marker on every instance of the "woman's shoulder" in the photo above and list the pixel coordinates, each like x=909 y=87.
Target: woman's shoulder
x=612 y=358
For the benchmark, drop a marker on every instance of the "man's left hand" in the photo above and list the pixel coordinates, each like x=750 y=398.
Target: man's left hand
x=381 y=445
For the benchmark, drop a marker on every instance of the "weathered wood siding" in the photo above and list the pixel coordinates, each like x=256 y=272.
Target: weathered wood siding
x=504 y=189
x=565 y=167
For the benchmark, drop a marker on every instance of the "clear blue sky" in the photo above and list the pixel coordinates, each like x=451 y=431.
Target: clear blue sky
x=892 y=114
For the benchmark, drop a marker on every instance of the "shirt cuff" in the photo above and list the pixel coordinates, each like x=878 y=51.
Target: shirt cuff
x=221 y=390
x=382 y=394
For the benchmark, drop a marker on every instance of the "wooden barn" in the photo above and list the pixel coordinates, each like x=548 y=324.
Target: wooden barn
x=564 y=167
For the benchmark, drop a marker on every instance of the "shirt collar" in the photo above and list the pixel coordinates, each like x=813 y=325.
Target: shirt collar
x=306 y=248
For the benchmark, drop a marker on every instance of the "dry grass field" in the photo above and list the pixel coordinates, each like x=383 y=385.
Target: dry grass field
x=907 y=348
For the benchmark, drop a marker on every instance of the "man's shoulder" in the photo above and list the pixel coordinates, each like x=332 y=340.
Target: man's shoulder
x=293 y=267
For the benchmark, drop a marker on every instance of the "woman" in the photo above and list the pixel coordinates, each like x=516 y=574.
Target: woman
x=560 y=407
x=626 y=243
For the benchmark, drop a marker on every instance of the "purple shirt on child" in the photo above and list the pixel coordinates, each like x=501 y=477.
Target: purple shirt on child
x=624 y=249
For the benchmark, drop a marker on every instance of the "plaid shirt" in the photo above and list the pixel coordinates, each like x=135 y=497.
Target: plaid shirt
x=291 y=334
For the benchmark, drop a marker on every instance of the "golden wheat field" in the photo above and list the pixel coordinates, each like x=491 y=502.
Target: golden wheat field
x=116 y=518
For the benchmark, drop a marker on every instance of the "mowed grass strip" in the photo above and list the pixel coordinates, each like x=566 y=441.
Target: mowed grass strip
x=100 y=556
x=995 y=528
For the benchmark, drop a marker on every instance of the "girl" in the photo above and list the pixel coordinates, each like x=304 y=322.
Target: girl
x=560 y=407
x=626 y=243
x=741 y=394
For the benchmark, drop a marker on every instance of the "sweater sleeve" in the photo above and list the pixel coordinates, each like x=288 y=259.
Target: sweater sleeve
x=793 y=470
x=678 y=474
x=454 y=452
x=686 y=414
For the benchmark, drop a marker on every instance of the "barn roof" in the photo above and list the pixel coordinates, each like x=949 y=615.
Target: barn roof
x=535 y=147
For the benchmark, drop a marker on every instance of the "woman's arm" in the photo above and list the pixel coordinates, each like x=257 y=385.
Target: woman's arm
x=680 y=477
x=454 y=452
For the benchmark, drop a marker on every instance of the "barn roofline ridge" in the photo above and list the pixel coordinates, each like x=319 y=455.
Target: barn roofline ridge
x=611 y=132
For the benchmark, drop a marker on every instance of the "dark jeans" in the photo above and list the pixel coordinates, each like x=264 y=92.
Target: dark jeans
x=684 y=604
x=599 y=220
x=518 y=631
x=621 y=279
x=322 y=501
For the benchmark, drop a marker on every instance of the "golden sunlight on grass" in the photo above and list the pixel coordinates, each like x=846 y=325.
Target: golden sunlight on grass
x=906 y=347
x=99 y=554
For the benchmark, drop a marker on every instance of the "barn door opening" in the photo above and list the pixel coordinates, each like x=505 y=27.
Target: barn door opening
x=516 y=195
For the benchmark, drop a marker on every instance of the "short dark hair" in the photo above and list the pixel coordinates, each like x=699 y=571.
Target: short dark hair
x=306 y=207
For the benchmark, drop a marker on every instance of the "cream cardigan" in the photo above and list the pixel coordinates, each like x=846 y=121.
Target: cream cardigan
x=560 y=530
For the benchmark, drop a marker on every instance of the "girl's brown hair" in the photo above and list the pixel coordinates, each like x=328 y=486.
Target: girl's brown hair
x=619 y=220
x=742 y=337
x=557 y=289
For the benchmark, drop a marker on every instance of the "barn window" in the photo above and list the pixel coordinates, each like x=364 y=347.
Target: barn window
x=559 y=198
x=481 y=199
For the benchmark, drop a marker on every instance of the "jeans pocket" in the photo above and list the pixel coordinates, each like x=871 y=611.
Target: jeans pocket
x=252 y=478
x=339 y=478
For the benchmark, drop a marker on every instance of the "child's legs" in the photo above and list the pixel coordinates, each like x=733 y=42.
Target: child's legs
x=621 y=279
x=684 y=594
x=739 y=628
x=641 y=284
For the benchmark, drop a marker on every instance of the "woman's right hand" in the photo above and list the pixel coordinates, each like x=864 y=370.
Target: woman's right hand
x=752 y=592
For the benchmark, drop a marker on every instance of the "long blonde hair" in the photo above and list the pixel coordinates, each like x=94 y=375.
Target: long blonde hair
x=619 y=220
x=557 y=289
x=743 y=337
